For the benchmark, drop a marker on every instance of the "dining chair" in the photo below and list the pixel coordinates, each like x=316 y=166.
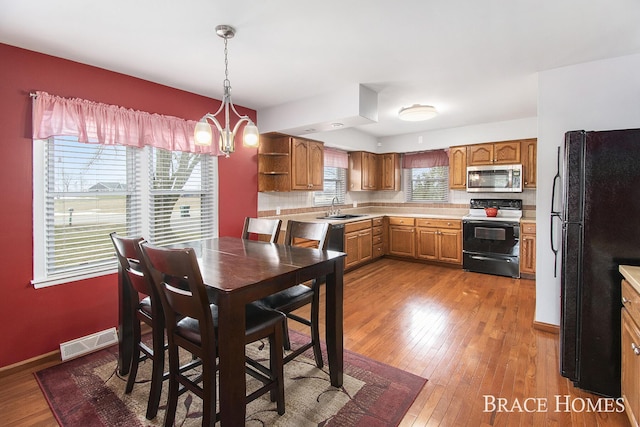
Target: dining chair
x=146 y=307
x=264 y=228
x=305 y=234
x=191 y=323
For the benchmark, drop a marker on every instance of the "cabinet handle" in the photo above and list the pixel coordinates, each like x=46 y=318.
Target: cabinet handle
x=636 y=349
x=624 y=300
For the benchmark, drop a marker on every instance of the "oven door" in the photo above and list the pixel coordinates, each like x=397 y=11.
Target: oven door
x=491 y=237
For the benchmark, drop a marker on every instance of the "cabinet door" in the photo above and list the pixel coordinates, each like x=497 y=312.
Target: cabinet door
x=458 y=168
x=427 y=243
x=402 y=241
x=630 y=380
x=506 y=153
x=352 y=249
x=450 y=246
x=316 y=166
x=299 y=164
x=366 y=245
x=480 y=154
x=369 y=171
x=528 y=253
x=529 y=163
x=389 y=171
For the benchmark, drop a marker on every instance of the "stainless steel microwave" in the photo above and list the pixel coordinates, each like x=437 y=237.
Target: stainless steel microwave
x=494 y=179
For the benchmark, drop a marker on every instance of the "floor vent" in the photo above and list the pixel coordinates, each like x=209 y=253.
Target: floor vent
x=84 y=345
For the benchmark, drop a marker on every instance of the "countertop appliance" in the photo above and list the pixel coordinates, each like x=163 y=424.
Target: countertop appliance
x=491 y=244
x=494 y=179
x=600 y=185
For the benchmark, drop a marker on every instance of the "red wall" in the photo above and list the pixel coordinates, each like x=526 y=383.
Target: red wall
x=36 y=321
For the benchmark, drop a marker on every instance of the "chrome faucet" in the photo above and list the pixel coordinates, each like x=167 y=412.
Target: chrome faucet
x=333 y=210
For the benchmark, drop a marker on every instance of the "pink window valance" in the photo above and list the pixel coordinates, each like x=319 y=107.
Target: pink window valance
x=336 y=158
x=425 y=159
x=113 y=125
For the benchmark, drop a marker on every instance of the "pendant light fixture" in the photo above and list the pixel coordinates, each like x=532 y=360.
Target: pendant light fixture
x=417 y=113
x=203 y=134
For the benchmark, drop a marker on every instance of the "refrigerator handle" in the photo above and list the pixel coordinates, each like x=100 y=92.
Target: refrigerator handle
x=554 y=214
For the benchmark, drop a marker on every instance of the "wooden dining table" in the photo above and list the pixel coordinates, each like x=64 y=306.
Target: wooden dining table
x=239 y=271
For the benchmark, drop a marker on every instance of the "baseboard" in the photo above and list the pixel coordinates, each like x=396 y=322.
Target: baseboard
x=31 y=365
x=546 y=327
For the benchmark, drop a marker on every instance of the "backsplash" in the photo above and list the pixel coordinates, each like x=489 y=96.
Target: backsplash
x=302 y=201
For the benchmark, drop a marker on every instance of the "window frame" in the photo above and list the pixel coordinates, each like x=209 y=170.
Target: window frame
x=409 y=196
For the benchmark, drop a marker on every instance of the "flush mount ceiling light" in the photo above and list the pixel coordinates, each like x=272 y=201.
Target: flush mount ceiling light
x=203 y=133
x=417 y=112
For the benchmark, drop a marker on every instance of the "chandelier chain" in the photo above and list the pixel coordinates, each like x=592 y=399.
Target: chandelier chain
x=226 y=82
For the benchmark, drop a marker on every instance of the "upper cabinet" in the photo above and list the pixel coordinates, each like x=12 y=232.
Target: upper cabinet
x=389 y=171
x=495 y=153
x=529 y=162
x=287 y=163
x=370 y=171
x=458 y=167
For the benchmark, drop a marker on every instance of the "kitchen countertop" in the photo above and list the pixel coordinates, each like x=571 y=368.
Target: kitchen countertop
x=632 y=274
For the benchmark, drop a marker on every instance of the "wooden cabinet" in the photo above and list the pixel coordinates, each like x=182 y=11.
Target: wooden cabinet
x=307 y=165
x=630 y=363
x=528 y=249
x=377 y=237
x=286 y=163
x=494 y=153
x=439 y=240
x=370 y=171
x=363 y=168
x=389 y=171
x=529 y=152
x=458 y=168
x=358 y=243
x=402 y=237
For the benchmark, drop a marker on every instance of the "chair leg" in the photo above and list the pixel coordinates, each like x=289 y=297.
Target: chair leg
x=285 y=336
x=209 y=395
x=135 y=355
x=172 y=399
x=156 y=374
x=277 y=368
x=315 y=330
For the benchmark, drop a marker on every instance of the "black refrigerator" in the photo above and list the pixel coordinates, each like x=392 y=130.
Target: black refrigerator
x=600 y=224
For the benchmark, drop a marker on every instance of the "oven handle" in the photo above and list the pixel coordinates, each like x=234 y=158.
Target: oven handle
x=486 y=258
x=496 y=224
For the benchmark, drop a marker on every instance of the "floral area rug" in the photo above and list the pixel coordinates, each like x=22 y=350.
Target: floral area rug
x=88 y=391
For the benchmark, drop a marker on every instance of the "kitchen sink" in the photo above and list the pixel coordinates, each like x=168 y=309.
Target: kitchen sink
x=340 y=216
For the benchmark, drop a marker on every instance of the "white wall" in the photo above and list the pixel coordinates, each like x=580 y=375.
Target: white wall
x=598 y=95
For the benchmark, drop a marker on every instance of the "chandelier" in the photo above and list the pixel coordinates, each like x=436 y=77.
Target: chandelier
x=203 y=133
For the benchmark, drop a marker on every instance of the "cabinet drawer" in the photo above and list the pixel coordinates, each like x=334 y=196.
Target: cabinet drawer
x=528 y=228
x=376 y=230
x=377 y=222
x=631 y=300
x=439 y=223
x=378 y=250
x=377 y=240
x=400 y=220
x=357 y=225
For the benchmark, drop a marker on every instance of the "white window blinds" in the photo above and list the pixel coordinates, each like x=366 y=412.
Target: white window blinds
x=426 y=184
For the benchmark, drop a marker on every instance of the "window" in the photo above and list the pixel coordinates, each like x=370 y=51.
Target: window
x=335 y=185
x=427 y=184
x=82 y=192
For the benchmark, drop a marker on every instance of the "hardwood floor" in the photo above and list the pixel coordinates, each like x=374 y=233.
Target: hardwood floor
x=470 y=334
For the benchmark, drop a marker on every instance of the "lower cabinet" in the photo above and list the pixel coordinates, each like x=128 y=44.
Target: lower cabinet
x=402 y=236
x=630 y=363
x=358 y=242
x=439 y=240
x=377 y=236
x=528 y=249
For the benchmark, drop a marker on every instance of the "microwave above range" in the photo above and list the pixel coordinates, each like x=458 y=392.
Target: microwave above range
x=494 y=179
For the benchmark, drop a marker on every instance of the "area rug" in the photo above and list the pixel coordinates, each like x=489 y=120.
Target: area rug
x=88 y=391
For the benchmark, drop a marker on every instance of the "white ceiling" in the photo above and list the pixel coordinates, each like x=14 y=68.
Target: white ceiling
x=475 y=61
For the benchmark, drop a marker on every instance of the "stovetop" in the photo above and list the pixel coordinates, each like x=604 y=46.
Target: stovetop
x=509 y=210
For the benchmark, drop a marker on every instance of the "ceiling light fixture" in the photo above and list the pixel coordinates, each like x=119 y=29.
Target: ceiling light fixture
x=417 y=112
x=203 y=134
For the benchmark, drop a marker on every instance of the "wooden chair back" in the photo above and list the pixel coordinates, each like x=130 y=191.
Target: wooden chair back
x=307 y=234
x=265 y=229
x=176 y=276
x=127 y=253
